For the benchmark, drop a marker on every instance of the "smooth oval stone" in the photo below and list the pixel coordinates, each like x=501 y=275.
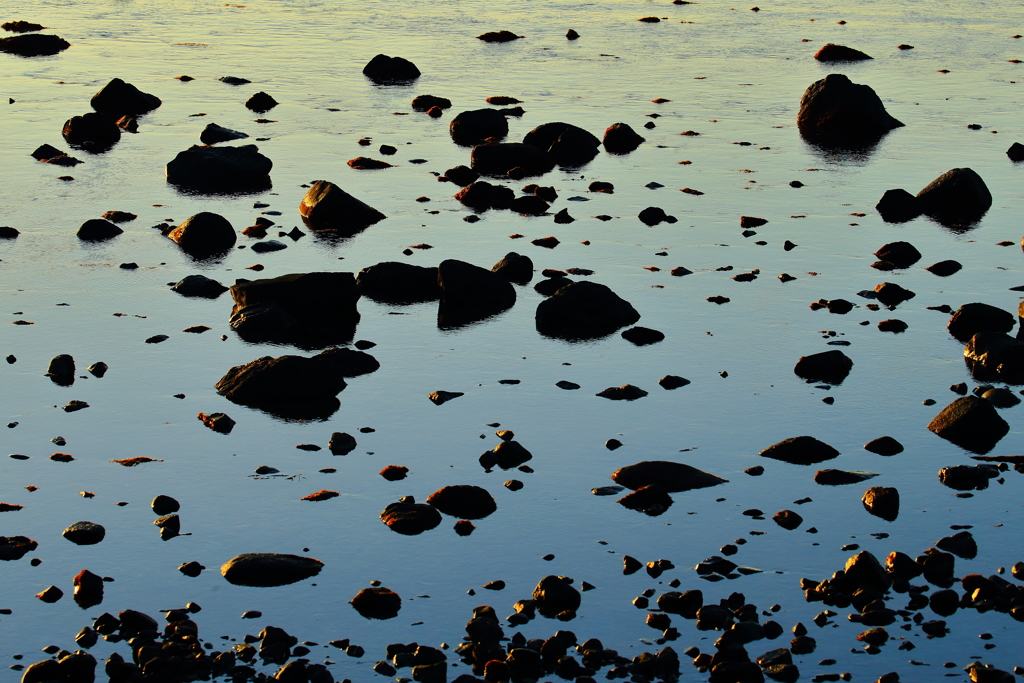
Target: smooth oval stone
x=269 y=569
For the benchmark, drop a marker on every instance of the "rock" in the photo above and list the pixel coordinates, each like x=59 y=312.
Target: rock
x=50 y=595
x=835 y=110
x=531 y=205
x=260 y=102
x=386 y=70
x=410 y=519
x=214 y=133
x=286 y=385
x=891 y=294
x=944 y=268
x=349 y=362
x=967 y=478
x=33 y=45
x=971 y=423
x=8 y=233
x=956 y=197
x=426 y=102
x=269 y=569
x=892 y=325
x=218 y=422
x=865 y=571
x=118 y=99
x=970 y=319
x=882 y=501
x=1001 y=397
x=476 y=126
x=88 y=589
x=16 y=547
x=961 y=544
x=84 y=533
x=642 y=336
x=61 y=370
x=787 y=519
x=651 y=500
x=554 y=595
x=21 y=26
x=98 y=230
x=995 y=357
x=839 y=53
x=204 y=235
x=583 y=310
x=220 y=170
x=627 y=392
x=884 y=445
x=377 y=602
x=800 y=450
x=898 y=206
x=673 y=382
x=672 y=476
x=551 y=285
x=470 y=292
x=481 y=196
x=497 y=159
x=654 y=215
x=394 y=472
x=515 y=268
x=570 y=146
x=328 y=207
x=199 y=286
x=442 y=397
x=367 y=164
x=620 y=138
x=841 y=477
x=506 y=455
x=686 y=604
x=165 y=505
x=899 y=254
x=341 y=443
x=461 y=175
x=1016 y=152
x=498 y=37
x=827 y=366
x=463 y=501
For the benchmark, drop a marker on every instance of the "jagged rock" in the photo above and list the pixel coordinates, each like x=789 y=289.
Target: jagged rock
x=118 y=99
x=836 y=110
x=463 y=501
x=199 y=286
x=957 y=196
x=204 y=235
x=34 y=45
x=827 y=366
x=839 y=53
x=970 y=319
x=410 y=519
x=800 y=450
x=217 y=170
x=672 y=476
x=620 y=138
x=384 y=70
x=995 y=357
x=478 y=125
x=269 y=569
x=377 y=602
x=328 y=207
x=970 y=422
x=882 y=501
x=214 y=133
x=499 y=158
x=583 y=310
x=570 y=146
x=515 y=268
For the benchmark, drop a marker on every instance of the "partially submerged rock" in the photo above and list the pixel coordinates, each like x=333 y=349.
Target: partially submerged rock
x=16 y=547
x=387 y=70
x=827 y=366
x=327 y=207
x=463 y=501
x=956 y=197
x=118 y=99
x=61 y=370
x=93 y=132
x=199 y=286
x=204 y=235
x=554 y=595
x=482 y=195
x=620 y=138
x=971 y=423
x=840 y=53
x=477 y=126
x=970 y=319
x=84 y=533
x=841 y=477
x=260 y=102
x=882 y=501
x=968 y=477
x=652 y=500
x=835 y=110
x=214 y=133
x=269 y=569
x=568 y=145
x=583 y=310
x=672 y=476
x=899 y=254
x=800 y=450
x=220 y=170
x=34 y=45
x=409 y=518
x=470 y=293
x=627 y=392
x=290 y=386
x=377 y=602
x=498 y=159
x=98 y=230
x=995 y=357
x=515 y=268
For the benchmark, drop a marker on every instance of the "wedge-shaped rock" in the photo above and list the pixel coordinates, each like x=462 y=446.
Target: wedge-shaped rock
x=800 y=450
x=328 y=207
x=970 y=422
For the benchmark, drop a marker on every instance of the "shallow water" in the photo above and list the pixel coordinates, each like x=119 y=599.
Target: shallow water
x=734 y=76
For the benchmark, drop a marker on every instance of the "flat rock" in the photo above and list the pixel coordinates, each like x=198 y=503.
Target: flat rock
x=98 y=230
x=800 y=450
x=394 y=282
x=463 y=501
x=672 y=476
x=220 y=170
x=841 y=477
x=16 y=547
x=410 y=519
x=827 y=366
x=84 y=533
x=34 y=45
x=583 y=310
x=269 y=569
x=627 y=392
x=199 y=286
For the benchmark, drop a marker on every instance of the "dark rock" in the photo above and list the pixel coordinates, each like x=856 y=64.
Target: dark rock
x=84 y=533
x=214 y=133
x=652 y=500
x=470 y=293
x=8 y=233
x=642 y=336
x=898 y=206
x=529 y=205
x=970 y=319
x=549 y=242
x=891 y=294
x=884 y=445
x=620 y=138
x=199 y=286
x=569 y=145
x=15 y=547
x=654 y=215
x=341 y=443
x=327 y=207
x=995 y=357
x=234 y=80
x=260 y=102
x=425 y=102
x=61 y=370
x=33 y=45
x=971 y=423
x=204 y=235
x=673 y=381
x=165 y=505
x=463 y=501
x=563 y=217
x=287 y=386
x=377 y=602
x=515 y=268
x=836 y=110
x=410 y=519
x=482 y=195
x=50 y=595
x=461 y=175
x=956 y=197
x=967 y=478
x=838 y=306
x=498 y=37
x=554 y=595
x=218 y=422
x=840 y=477
x=269 y=569
x=191 y=569
x=1001 y=397
x=21 y=26
x=220 y=170
x=961 y=544
x=386 y=70
x=442 y=397
x=499 y=158
x=900 y=254
x=827 y=366
x=800 y=450
x=787 y=519
x=583 y=310
x=551 y=285
x=88 y=589
x=367 y=164
x=98 y=230
x=627 y=392
x=506 y=455
x=686 y=604
x=671 y=476
x=882 y=501
x=349 y=362
x=1016 y=152
x=394 y=282
x=476 y=126
x=118 y=99
x=839 y=53
x=944 y=268
x=893 y=325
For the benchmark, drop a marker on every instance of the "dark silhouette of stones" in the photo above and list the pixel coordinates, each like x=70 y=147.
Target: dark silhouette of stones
x=956 y=197
x=944 y=602
x=529 y=205
x=499 y=158
x=269 y=569
x=967 y=477
x=841 y=477
x=98 y=230
x=441 y=397
x=944 y=268
x=478 y=125
x=21 y=26
x=61 y=370
x=260 y=102
x=84 y=533
x=377 y=602
x=971 y=423
x=470 y=293
x=673 y=382
x=515 y=268
x=165 y=505
x=800 y=450
x=461 y=175
x=1016 y=152
x=367 y=164
x=583 y=310
x=350 y=362
x=481 y=196
x=900 y=254
x=787 y=519
x=93 y=132
x=671 y=476
x=220 y=170
x=386 y=70
x=8 y=233
x=653 y=215
x=570 y=146
x=898 y=206
x=882 y=501
x=865 y=571
x=394 y=282
x=204 y=235
x=288 y=386
x=498 y=37
x=884 y=445
x=118 y=99
x=627 y=392
x=892 y=295
x=328 y=207
x=549 y=286
x=214 y=133
x=410 y=519
x=88 y=589
x=686 y=604
x=970 y=319
x=426 y=102
x=939 y=567
x=15 y=547
x=463 y=501
x=961 y=544
x=651 y=500
x=995 y=357
x=642 y=336
x=554 y=595
x=835 y=110
x=218 y=422
x=199 y=286
x=839 y=53
x=620 y=138
x=33 y=45
x=341 y=443
x=506 y=455
x=828 y=366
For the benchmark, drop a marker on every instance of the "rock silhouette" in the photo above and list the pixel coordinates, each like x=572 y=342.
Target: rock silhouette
x=836 y=111
x=220 y=170
x=327 y=207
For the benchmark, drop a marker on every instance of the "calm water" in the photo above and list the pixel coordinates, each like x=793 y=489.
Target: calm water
x=732 y=75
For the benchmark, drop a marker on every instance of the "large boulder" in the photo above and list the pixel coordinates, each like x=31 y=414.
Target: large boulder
x=620 y=138
x=554 y=595
x=956 y=197
x=995 y=357
x=569 y=145
x=93 y=132
x=463 y=501
x=394 y=282
x=672 y=476
x=217 y=170
x=33 y=45
x=377 y=602
x=800 y=450
x=269 y=569
x=384 y=69
x=472 y=292
x=482 y=195
x=288 y=386
x=827 y=366
x=499 y=158
x=898 y=206
x=899 y=254
x=203 y=235
x=477 y=126
x=515 y=268
x=410 y=519
x=327 y=207
x=16 y=547
x=836 y=110
x=882 y=501
x=970 y=319
x=98 y=230
x=584 y=310
x=118 y=99
x=971 y=423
